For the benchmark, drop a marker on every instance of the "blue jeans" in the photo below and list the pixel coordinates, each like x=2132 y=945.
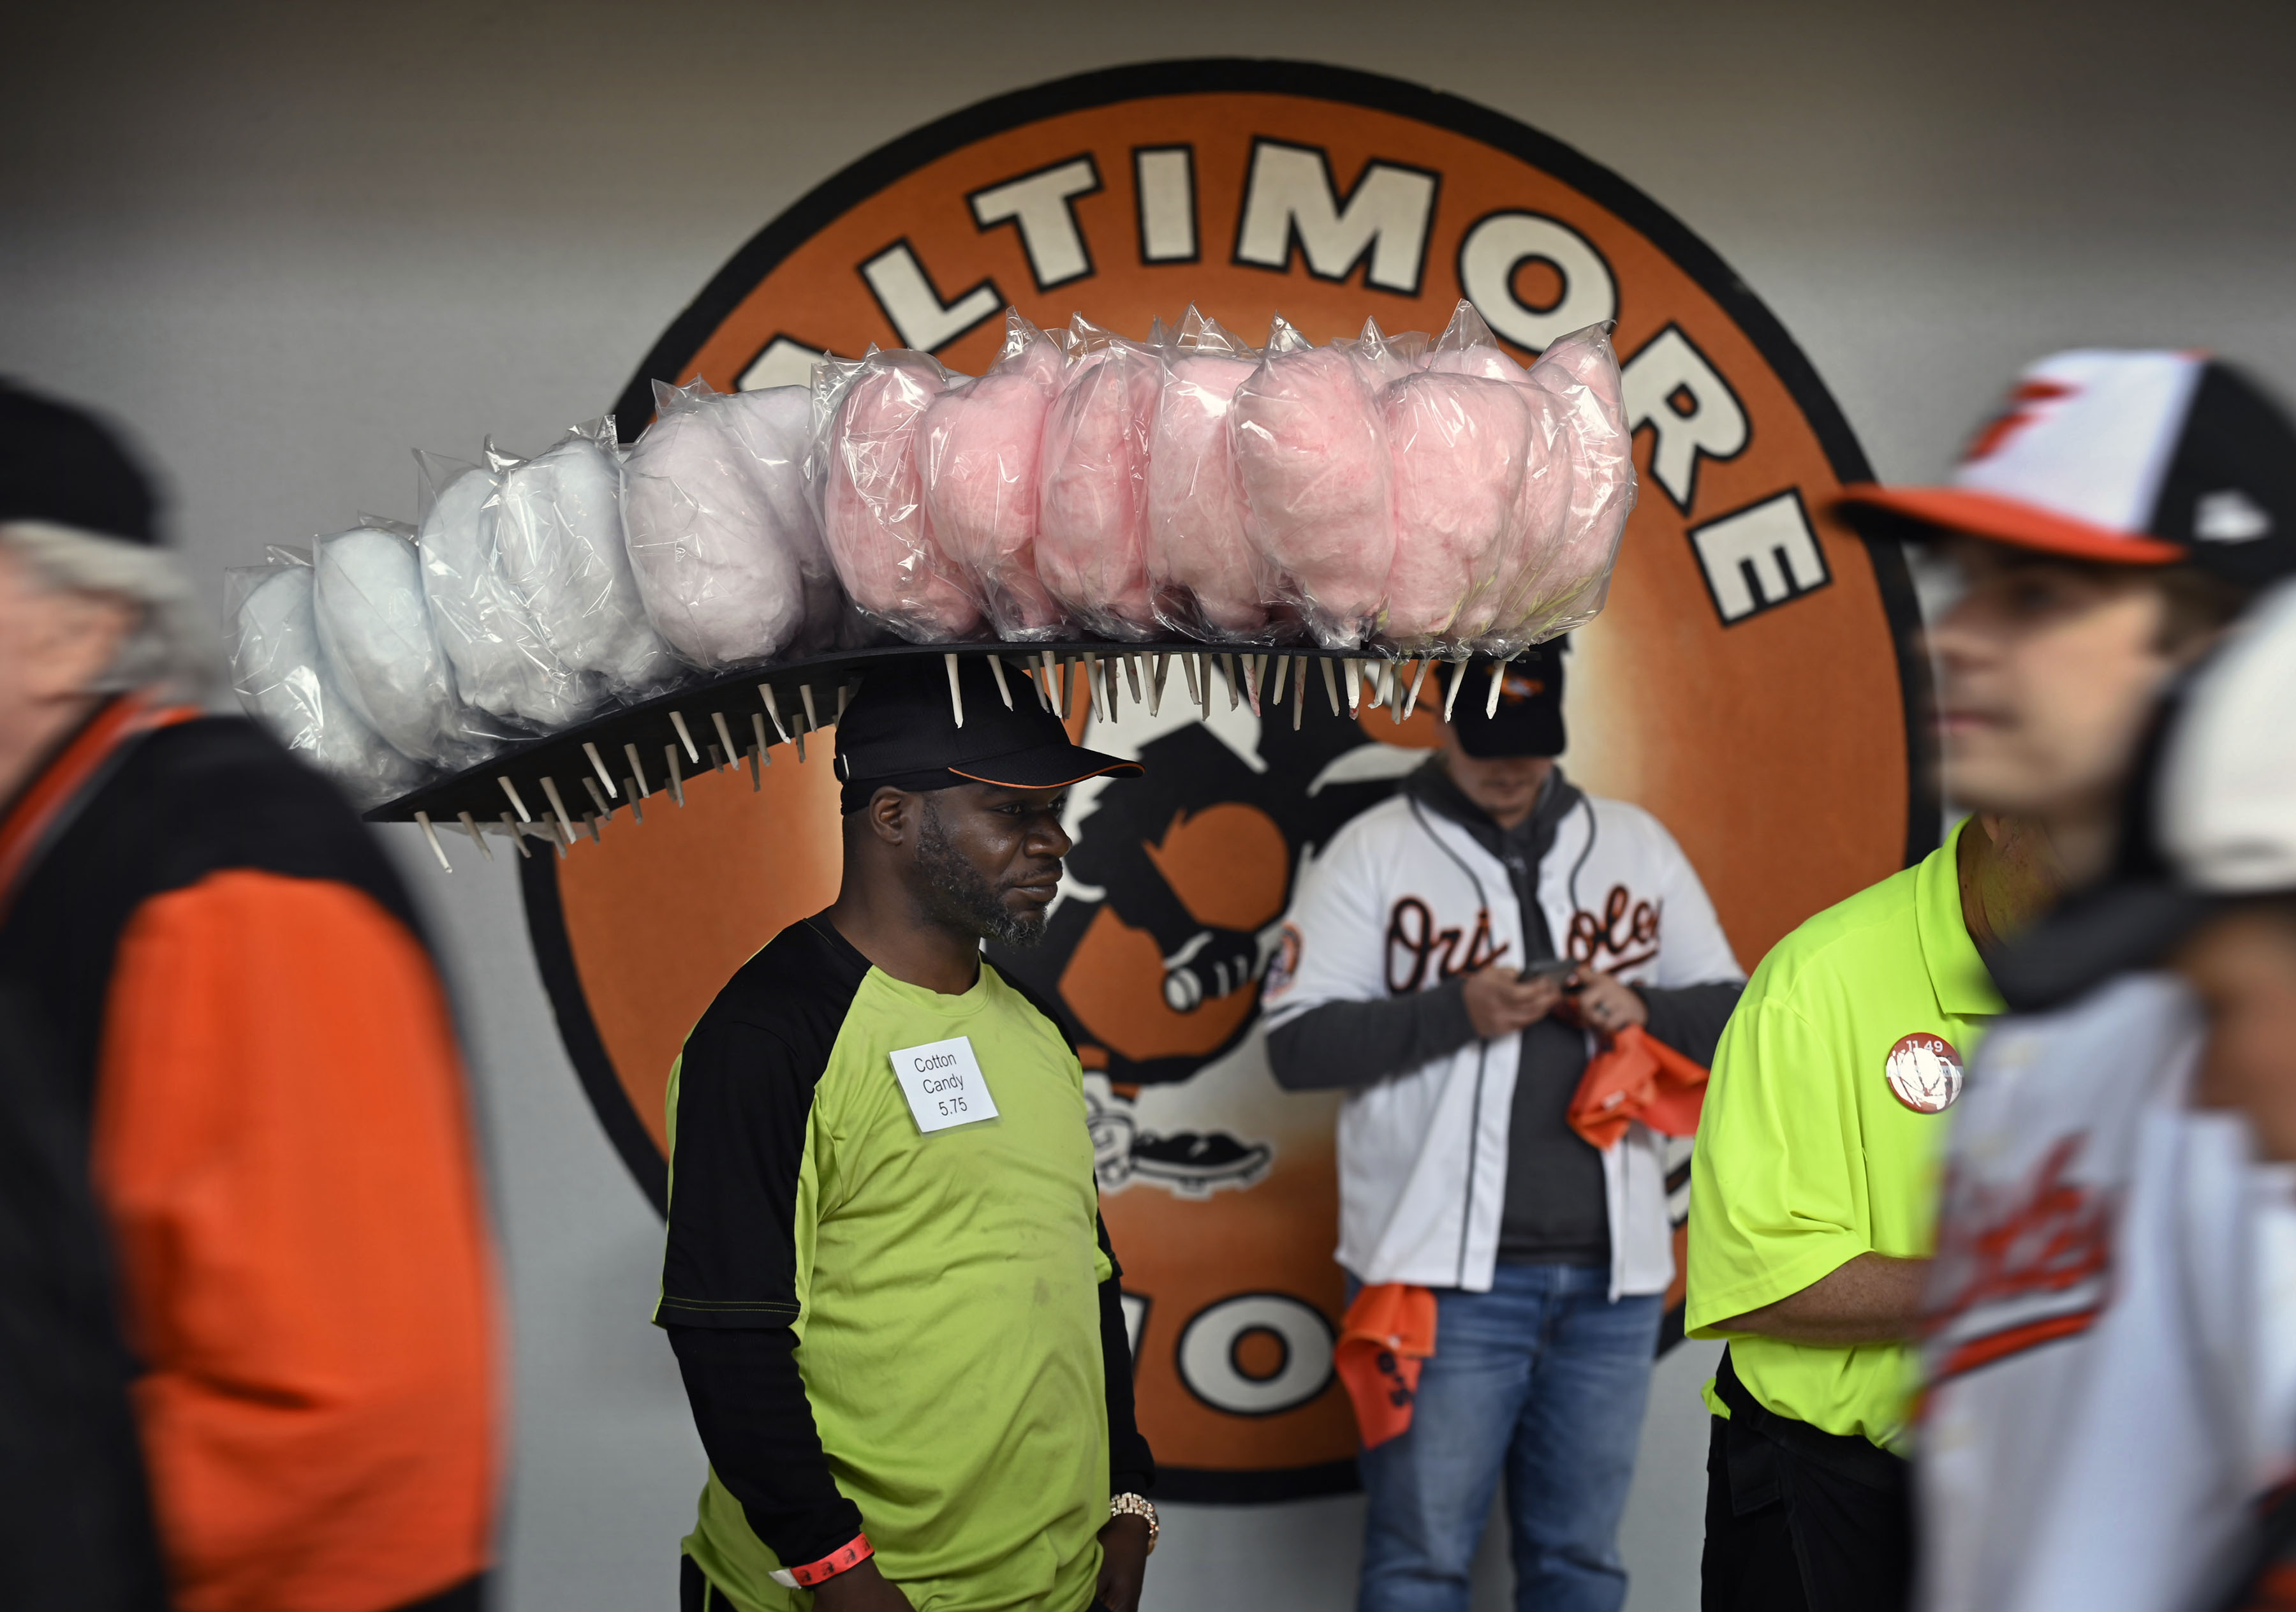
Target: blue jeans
x=1545 y=1378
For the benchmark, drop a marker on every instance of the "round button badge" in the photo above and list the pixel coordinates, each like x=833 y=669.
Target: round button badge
x=1924 y=1073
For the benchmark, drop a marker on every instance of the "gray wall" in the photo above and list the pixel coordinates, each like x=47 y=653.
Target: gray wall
x=287 y=243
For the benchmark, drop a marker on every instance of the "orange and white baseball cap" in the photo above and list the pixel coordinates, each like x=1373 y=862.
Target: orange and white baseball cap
x=2124 y=457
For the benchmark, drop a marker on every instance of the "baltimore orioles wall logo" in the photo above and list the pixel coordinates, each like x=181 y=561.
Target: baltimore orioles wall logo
x=1749 y=681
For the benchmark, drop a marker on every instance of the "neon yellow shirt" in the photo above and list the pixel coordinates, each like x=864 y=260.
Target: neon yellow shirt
x=1807 y=1156
x=943 y=1285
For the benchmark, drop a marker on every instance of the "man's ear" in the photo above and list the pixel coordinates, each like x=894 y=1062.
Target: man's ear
x=80 y=637
x=891 y=815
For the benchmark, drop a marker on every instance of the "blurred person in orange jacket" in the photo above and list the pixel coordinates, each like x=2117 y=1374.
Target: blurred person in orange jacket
x=247 y=1320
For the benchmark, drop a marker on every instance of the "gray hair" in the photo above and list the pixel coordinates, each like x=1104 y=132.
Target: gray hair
x=172 y=645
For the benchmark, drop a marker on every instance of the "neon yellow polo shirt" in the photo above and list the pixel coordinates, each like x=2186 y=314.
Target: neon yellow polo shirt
x=1807 y=1156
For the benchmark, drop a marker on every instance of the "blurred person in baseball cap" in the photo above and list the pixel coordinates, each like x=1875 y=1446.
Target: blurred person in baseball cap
x=2103 y=529
x=247 y=1334
x=2088 y=1434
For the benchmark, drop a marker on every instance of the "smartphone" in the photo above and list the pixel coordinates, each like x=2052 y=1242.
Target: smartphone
x=1550 y=968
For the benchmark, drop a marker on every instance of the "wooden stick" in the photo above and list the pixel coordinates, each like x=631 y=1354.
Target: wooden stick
x=1298 y=695
x=1132 y=676
x=995 y=670
x=638 y=772
x=470 y=828
x=756 y=773
x=1417 y=677
x=638 y=806
x=1351 y=671
x=801 y=746
x=1330 y=683
x=678 y=721
x=1188 y=670
x=1227 y=665
x=550 y=789
x=676 y=783
x=1158 y=671
x=1450 y=694
x=1498 y=679
x=956 y=691
x=1251 y=682
x=1052 y=687
x=1204 y=684
x=590 y=749
x=1283 y=671
x=597 y=797
x=511 y=789
x=517 y=837
x=812 y=721
x=774 y=709
x=765 y=744
x=725 y=735
x=431 y=835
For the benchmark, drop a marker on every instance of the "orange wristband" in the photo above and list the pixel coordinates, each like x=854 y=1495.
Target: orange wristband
x=850 y=1554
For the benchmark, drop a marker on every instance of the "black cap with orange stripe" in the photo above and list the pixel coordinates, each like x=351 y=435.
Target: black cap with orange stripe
x=2122 y=458
x=902 y=731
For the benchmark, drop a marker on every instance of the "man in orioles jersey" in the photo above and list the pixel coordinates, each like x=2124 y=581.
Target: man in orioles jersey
x=246 y=1319
x=1451 y=962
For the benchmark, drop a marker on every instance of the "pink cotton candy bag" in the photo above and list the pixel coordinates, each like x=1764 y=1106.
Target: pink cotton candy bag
x=982 y=448
x=1201 y=571
x=868 y=416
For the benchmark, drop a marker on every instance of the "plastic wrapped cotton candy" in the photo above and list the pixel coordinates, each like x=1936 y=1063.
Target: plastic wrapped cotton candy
x=559 y=528
x=1581 y=372
x=500 y=661
x=375 y=630
x=982 y=443
x=715 y=557
x=1312 y=458
x=1199 y=561
x=1459 y=445
x=1092 y=547
x=775 y=426
x=281 y=677
x=873 y=495
x=1388 y=357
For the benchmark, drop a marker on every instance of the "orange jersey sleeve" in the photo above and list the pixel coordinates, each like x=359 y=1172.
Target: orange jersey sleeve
x=282 y=1146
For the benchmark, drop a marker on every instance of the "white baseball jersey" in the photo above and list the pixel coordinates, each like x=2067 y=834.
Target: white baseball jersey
x=1405 y=899
x=2094 y=1417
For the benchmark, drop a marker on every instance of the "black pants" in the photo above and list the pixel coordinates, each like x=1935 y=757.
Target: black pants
x=1798 y=1520
x=695 y=1593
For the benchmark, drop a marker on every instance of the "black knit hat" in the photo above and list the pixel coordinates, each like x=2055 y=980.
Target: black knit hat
x=60 y=465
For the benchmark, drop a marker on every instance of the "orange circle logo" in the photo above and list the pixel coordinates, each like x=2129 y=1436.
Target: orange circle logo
x=1924 y=1072
x=1746 y=682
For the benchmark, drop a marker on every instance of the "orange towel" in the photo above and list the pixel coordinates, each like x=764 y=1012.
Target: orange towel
x=1637 y=1077
x=1384 y=1336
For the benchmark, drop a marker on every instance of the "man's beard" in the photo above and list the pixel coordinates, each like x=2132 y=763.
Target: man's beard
x=956 y=895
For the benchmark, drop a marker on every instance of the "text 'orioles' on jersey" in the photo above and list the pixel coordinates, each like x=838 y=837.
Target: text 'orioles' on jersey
x=1822 y=1130
x=931 y=1298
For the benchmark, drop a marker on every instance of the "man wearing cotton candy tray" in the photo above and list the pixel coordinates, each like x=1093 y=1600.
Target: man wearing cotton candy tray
x=894 y=1305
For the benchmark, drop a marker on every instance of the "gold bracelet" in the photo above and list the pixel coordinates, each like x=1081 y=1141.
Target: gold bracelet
x=1140 y=1507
